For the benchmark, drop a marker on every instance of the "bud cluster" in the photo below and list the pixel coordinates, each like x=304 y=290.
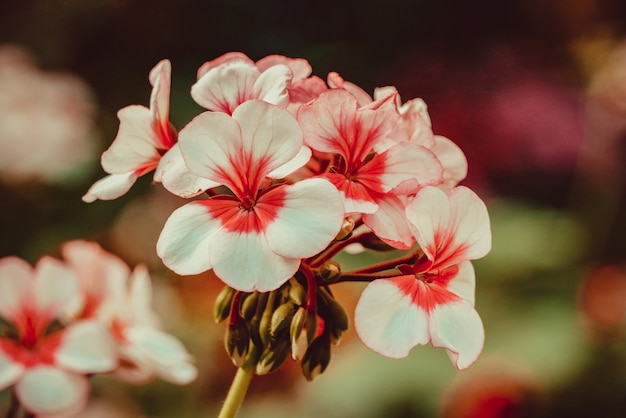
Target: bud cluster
x=265 y=328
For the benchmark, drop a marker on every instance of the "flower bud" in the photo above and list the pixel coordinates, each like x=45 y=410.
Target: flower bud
x=346 y=229
x=224 y=300
x=237 y=342
x=272 y=357
x=297 y=293
x=330 y=272
x=248 y=306
x=337 y=320
x=316 y=358
x=282 y=317
x=302 y=331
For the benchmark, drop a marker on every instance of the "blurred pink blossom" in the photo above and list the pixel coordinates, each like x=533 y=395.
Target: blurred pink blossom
x=46 y=127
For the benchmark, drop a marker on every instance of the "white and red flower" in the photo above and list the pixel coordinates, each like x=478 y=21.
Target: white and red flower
x=255 y=236
x=433 y=300
x=121 y=300
x=48 y=367
x=371 y=182
x=144 y=136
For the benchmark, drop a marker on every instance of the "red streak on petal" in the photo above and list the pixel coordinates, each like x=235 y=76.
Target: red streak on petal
x=423 y=294
x=41 y=352
x=247 y=215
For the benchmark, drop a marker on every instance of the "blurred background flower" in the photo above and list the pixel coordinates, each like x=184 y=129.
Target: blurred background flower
x=534 y=93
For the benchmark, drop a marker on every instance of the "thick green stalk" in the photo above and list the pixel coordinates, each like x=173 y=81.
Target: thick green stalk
x=236 y=393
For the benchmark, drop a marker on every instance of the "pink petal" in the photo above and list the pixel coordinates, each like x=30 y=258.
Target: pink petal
x=110 y=187
x=389 y=223
x=245 y=262
x=15 y=275
x=140 y=298
x=168 y=356
x=408 y=167
x=86 y=347
x=387 y=321
x=10 y=372
x=452 y=159
x=457 y=328
x=227 y=57
x=177 y=178
x=335 y=81
x=56 y=289
x=136 y=145
x=310 y=218
x=186 y=238
x=49 y=390
x=357 y=198
x=226 y=86
x=299 y=66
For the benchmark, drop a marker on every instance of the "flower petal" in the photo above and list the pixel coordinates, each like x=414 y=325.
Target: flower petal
x=10 y=371
x=168 y=356
x=450 y=229
x=135 y=148
x=226 y=86
x=452 y=159
x=458 y=328
x=15 y=281
x=273 y=84
x=110 y=187
x=309 y=220
x=302 y=157
x=387 y=320
x=186 y=237
x=160 y=78
x=49 y=390
x=463 y=284
x=86 y=347
x=389 y=222
x=177 y=178
x=408 y=167
x=245 y=262
x=56 y=289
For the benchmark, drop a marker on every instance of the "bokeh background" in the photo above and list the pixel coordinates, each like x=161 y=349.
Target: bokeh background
x=533 y=91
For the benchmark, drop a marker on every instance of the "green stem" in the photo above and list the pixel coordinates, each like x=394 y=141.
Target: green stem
x=236 y=393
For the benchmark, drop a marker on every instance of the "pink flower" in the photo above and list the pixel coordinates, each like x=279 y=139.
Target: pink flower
x=121 y=300
x=433 y=300
x=369 y=181
x=48 y=367
x=46 y=121
x=144 y=136
x=255 y=236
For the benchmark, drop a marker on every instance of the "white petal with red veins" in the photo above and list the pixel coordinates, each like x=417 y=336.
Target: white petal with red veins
x=226 y=86
x=86 y=347
x=271 y=136
x=49 y=390
x=463 y=284
x=472 y=218
x=110 y=187
x=210 y=144
x=160 y=78
x=303 y=157
x=186 y=237
x=457 y=327
x=309 y=220
x=135 y=145
x=245 y=262
x=387 y=321
x=452 y=159
x=176 y=177
x=14 y=285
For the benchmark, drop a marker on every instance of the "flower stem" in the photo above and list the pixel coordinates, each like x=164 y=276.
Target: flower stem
x=13 y=411
x=236 y=393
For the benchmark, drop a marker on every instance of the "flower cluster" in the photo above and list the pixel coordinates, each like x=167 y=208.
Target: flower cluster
x=62 y=321
x=286 y=170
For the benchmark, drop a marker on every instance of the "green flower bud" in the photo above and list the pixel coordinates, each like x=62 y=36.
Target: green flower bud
x=237 y=342
x=223 y=302
x=248 y=306
x=272 y=357
x=316 y=358
x=282 y=317
x=330 y=271
x=346 y=229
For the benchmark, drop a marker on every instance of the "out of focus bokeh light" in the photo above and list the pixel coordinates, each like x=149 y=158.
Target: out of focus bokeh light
x=534 y=92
